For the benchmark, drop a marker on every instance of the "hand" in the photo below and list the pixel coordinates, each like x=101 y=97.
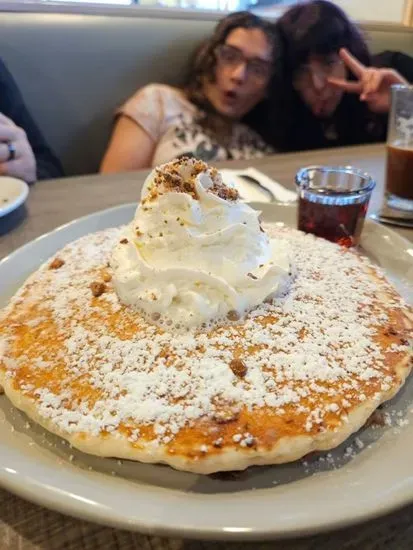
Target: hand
x=373 y=85
x=23 y=165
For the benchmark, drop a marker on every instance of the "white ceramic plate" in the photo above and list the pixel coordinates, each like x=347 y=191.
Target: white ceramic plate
x=13 y=193
x=349 y=485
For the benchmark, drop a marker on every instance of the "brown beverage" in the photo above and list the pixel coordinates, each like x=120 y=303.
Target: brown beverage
x=341 y=223
x=400 y=172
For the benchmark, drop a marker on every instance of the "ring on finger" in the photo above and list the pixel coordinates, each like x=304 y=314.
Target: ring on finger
x=12 y=150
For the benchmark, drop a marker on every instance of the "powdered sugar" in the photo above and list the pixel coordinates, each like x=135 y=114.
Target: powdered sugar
x=317 y=357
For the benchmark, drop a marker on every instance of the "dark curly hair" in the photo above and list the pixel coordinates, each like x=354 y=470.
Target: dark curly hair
x=204 y=63
x=322 y=28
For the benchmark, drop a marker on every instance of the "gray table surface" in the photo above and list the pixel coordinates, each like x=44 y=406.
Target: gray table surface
x=26 y=526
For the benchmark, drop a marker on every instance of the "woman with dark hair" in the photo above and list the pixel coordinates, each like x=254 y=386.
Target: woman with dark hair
x=329 y=90
x=229 y=77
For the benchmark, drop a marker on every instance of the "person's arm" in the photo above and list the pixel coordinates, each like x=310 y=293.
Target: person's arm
x=140 y=125
x=130 y=148
x=14 y=108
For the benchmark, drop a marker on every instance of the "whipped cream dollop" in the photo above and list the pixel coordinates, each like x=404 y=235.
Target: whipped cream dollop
x=194 y=252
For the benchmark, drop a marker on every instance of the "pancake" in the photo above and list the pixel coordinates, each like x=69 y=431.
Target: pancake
x=294 y=375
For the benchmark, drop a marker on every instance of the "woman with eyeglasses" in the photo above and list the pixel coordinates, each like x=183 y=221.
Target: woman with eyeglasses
x=329 y=91
x=229 y=77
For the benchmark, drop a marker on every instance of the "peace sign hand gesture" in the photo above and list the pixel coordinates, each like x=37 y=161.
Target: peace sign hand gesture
x=373 y=85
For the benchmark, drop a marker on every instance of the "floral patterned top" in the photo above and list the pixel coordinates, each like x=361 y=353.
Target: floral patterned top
x=172 y=121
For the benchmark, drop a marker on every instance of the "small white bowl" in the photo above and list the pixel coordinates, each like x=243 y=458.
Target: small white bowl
x=13 y=193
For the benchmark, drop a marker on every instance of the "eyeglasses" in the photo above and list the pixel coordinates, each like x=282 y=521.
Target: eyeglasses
x=233 y=57
x=323 y=69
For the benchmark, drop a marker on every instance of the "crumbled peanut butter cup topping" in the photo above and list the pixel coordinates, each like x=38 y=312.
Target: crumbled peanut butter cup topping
x=169 y=178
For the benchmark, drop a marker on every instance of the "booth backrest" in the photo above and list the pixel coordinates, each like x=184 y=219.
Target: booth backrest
x=74 y=70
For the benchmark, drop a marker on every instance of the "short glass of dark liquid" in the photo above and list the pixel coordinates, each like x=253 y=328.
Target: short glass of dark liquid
x=333 y=202
x=399 y=180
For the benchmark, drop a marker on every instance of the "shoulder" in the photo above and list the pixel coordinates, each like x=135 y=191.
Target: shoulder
x=162 y=91
x=389 y=57
x=401 y=62
x=154 y=106
x=165 y=100
x=160 y=97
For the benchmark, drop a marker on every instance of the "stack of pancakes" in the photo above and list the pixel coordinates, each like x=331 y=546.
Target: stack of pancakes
x=297 y=374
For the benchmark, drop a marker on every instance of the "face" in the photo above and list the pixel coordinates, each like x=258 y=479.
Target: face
x=311 y=83
x=242 y=73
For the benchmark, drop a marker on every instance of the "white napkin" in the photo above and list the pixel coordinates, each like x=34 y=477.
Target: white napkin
x=265 y=190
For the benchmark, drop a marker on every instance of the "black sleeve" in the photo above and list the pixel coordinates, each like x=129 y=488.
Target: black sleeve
x=13 y=106
x=399 y=61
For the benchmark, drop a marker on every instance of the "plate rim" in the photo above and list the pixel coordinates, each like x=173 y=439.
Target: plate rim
x=59 y=228
x=76 y=508
x=29 y=488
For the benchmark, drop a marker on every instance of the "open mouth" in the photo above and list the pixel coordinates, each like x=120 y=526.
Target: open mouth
x=231 y=96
